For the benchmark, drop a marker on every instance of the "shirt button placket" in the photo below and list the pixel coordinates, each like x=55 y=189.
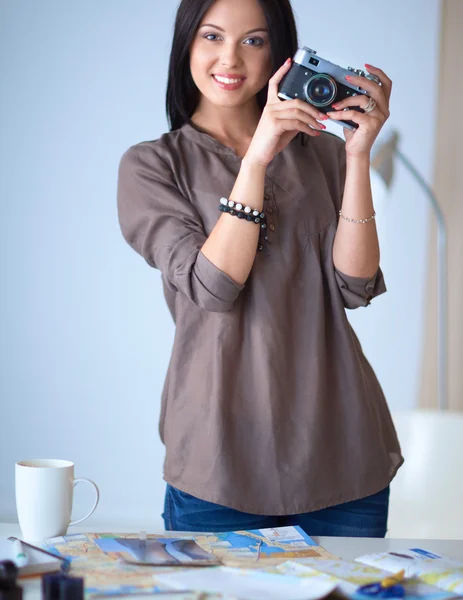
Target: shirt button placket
x=269 y=209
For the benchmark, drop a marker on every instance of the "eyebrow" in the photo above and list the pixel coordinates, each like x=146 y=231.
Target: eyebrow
x=246 y=33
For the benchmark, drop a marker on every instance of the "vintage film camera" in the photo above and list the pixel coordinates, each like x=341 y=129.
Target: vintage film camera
x=321 y=83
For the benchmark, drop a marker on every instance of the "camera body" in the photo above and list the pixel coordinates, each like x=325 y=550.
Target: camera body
x=321 y=83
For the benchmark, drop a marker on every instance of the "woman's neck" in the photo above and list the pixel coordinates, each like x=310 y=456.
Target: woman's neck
x=233 y=127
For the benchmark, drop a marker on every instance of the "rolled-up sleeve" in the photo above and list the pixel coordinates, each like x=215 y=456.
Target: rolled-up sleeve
x=159 y=223
x=359 y=291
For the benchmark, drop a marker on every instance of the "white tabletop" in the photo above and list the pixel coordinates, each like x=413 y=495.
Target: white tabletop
x=345 y=548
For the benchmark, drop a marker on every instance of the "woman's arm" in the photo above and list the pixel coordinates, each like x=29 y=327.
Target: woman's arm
x=356 y=248
x=232 y=244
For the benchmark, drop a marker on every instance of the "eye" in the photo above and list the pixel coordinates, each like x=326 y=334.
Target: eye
x=257 y=41
x=208 y=35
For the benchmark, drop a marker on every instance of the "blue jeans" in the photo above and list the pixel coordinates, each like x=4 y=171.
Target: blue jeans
x=366 y=517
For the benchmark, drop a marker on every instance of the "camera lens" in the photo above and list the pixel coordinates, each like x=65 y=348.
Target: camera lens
x=320 y=90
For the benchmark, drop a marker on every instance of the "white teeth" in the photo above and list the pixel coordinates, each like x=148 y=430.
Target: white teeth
x=226 y=80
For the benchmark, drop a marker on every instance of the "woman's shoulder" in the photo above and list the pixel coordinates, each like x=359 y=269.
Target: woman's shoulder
x=163 y=153
x=161 y=148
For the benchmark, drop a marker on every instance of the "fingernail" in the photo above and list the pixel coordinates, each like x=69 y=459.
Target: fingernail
x=288 y=60
x=368 y=66
x=348 y=77
x=334 y=106
x=322 y=117
x=322 y=126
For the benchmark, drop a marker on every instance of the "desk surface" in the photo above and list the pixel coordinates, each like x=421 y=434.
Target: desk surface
x=346 y=548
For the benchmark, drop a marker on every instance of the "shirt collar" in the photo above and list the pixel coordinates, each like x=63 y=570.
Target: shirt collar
x=195 y=134
x=200 y=137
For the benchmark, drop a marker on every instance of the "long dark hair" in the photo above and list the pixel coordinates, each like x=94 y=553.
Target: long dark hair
x=182 y=94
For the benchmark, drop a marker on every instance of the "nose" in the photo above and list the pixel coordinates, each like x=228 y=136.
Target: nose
x=230 y=56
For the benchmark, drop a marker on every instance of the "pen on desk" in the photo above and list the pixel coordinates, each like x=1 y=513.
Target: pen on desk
x=65 y=563
x=28 y=545
x=20 y=557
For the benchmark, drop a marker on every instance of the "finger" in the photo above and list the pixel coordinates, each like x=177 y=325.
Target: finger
x=275 y=80
x=366 y=84
x=307 y=108
x=296 y=125
x=355 y=116
x=386 y=82
x=295 y=112
x=377 y=92
x=362 y=100
x=380 y=73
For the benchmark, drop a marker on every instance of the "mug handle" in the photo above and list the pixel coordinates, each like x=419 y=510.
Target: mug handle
x=97 y=491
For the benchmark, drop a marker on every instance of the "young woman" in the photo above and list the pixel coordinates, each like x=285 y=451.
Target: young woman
x=271 y=414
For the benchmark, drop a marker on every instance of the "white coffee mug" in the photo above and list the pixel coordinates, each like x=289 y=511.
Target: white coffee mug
x=44 y=493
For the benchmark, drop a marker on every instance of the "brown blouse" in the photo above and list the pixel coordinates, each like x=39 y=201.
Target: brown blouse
x=269 y=405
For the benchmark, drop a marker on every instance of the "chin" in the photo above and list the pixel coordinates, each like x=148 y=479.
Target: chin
x=228 y=100
x=228 y=104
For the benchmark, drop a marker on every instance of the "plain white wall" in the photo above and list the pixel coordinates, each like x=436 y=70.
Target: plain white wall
x=85 y=332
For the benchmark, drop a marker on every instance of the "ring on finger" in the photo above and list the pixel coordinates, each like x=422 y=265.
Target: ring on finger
x=371 y=105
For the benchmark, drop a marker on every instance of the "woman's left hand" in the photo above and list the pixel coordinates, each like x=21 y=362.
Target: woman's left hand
x=360 y=141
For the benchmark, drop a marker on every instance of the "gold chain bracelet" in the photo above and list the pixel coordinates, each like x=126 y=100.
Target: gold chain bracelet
x=357 y=220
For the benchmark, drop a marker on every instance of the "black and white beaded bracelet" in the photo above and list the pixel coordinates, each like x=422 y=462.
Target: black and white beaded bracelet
x=250 y=214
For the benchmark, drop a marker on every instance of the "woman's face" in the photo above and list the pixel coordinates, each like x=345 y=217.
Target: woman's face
x=230 y=57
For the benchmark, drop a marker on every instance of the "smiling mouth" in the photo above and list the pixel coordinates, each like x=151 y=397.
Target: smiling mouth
x=227 y=80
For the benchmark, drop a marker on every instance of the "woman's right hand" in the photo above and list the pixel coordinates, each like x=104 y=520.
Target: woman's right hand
x=280 y=122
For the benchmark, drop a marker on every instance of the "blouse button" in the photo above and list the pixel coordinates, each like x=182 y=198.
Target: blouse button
x=271 y=227
x=269 y=210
